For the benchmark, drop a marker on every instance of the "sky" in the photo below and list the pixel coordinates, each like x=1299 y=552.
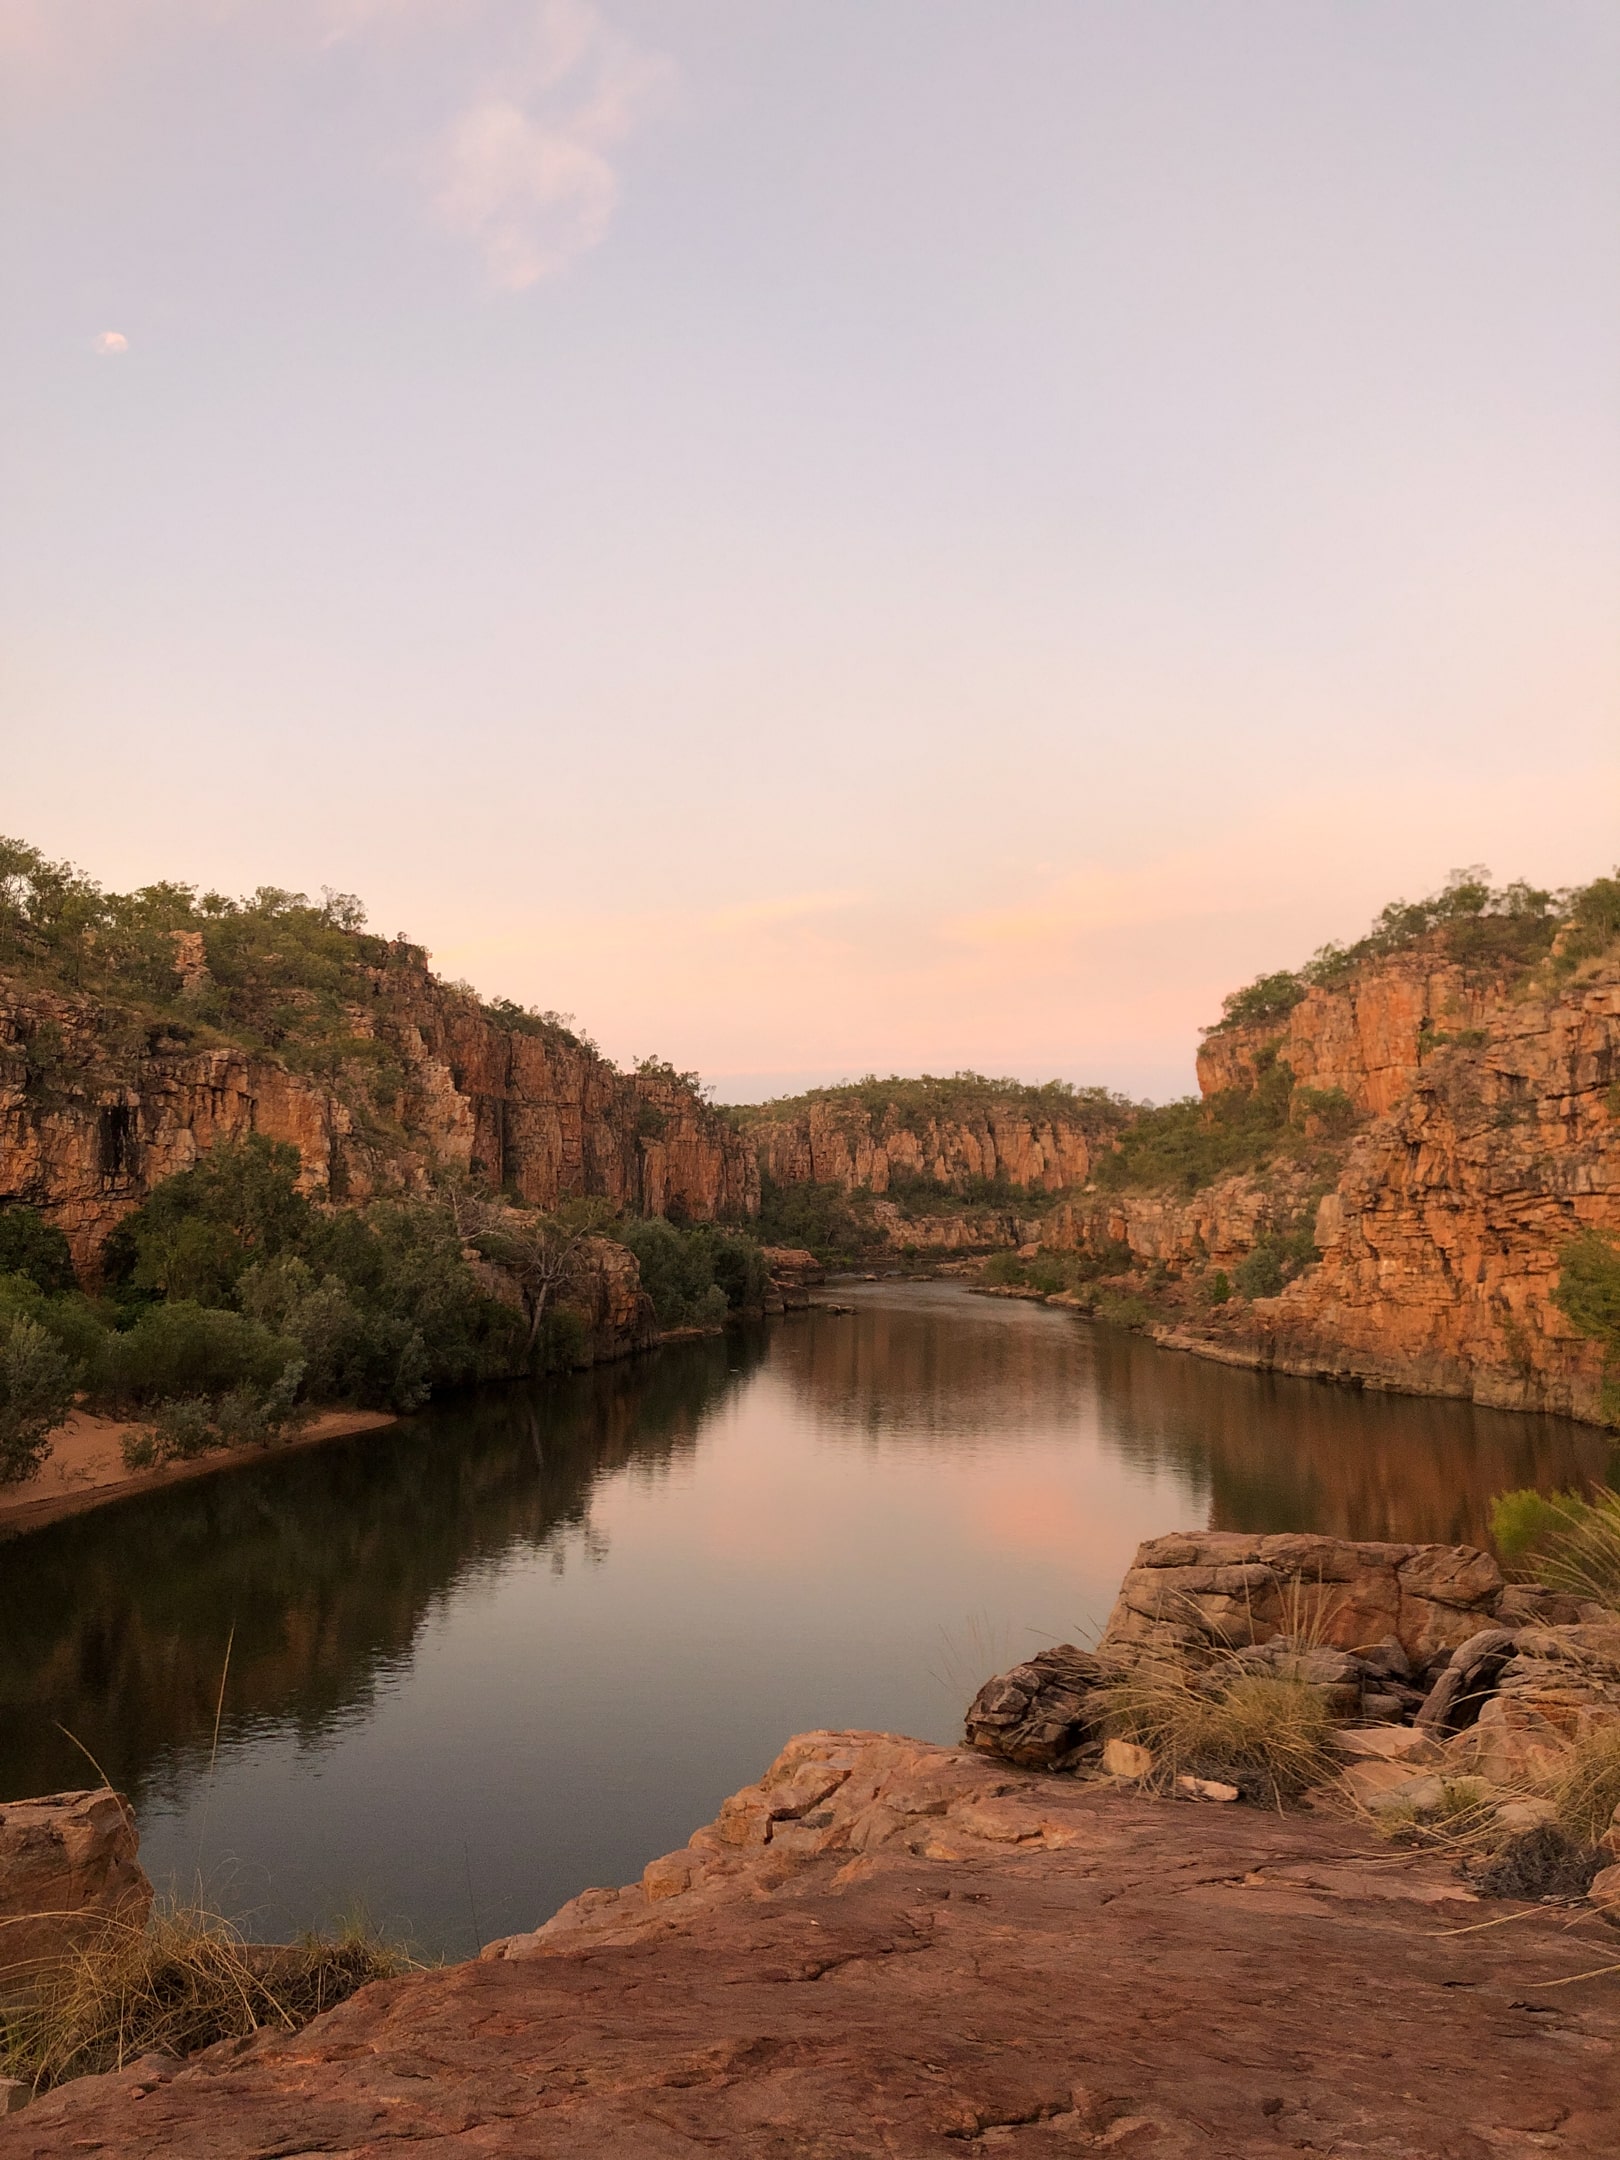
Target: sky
x=817 y=535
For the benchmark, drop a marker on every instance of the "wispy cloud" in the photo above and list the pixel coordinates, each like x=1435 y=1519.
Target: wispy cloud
x=525 y=171
x=538 y=98
x=111 y=341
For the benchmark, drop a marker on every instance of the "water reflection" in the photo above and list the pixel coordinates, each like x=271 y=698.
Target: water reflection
x=318 y=1571
x=524 y=1642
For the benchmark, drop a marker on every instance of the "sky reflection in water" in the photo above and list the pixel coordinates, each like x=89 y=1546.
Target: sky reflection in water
x=525 y=1643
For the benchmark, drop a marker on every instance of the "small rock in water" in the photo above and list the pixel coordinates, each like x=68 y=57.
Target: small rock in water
x=1124 y=1759
x=1203 y=1788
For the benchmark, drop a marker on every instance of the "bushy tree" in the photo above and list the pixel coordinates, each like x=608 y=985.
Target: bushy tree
x=677 y=1273
x=36 y=1394
x=181 y=1348
x=199 y=1232
x=33 y=1247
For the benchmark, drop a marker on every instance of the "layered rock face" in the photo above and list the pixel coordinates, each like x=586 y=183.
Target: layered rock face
x=95 y=1110
x=68 y=1866
x=842 y=1143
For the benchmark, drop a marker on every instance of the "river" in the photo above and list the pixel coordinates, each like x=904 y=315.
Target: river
x=522 y=1643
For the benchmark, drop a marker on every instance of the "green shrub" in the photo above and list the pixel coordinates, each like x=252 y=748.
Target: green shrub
x=738 y=1267
x=183 y=1349
x=199 y=1232
x=37 y=1384
x=72 y=1322
x=1274 y=1261
x=819 y=1218
x=677 y=1272
x=1330 y=1109
x=33 y=1247
x=1588 y=1293
x=1563 y=1540
x=1189 y=1144
x=1124 y=1311
x=1269 y=998
x=1219 y=1287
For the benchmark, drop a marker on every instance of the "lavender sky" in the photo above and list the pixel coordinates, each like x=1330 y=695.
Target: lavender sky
x=819 y=536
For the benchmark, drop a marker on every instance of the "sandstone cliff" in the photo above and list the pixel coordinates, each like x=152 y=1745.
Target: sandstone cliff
x=847 y=1138
x=1487 y=1138
x=99 y=1102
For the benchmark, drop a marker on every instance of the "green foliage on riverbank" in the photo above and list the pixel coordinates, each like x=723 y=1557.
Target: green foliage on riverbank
x=695 y=1276
x=819 y=1218
x=231 y=1300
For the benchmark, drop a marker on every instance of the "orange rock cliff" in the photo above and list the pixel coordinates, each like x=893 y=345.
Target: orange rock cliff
x=96 y=1109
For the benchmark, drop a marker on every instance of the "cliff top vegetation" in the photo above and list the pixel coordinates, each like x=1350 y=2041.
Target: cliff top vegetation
x=1508 y=929
x=273 y=971
x=956 y=1097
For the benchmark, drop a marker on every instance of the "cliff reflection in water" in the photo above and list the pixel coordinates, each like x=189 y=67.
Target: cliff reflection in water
x=1271 y=1453
x=324 y=1563
x=528 y=1640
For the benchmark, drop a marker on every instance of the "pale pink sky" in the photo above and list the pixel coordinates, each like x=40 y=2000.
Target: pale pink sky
x=889 y=533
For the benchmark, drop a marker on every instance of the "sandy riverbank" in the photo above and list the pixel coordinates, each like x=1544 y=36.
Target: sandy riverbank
x=85 y=1467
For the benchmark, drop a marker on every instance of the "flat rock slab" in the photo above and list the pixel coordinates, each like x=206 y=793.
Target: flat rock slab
x=1018 y=1963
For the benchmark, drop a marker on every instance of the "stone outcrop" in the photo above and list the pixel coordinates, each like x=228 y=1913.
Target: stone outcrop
x=1454 y=1671
x=68 y=1866
x=890 y=1948
x=96 y=1109
x=1196 y=1593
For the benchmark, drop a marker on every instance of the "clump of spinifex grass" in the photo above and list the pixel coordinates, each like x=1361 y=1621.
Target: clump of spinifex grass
x=1271 y=1737
x=178 y=1984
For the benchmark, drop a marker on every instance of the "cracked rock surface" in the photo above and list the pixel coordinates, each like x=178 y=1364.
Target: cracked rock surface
x=892 y=1949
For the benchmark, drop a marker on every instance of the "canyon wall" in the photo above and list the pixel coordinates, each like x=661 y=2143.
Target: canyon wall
x=97 y=1108
x=845 y=1143
x=1490 y=1138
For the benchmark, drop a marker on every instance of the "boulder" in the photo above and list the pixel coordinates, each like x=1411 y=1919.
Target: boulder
x=1605 y=1894
x=1041 y=1713
x=1466 y=1680
x=68 y=1865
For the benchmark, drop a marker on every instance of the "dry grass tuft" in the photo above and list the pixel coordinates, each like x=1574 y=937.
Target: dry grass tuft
x=185 y=1980
x=1271 y=1738
x=1586 y=1790
x=1543 y=1862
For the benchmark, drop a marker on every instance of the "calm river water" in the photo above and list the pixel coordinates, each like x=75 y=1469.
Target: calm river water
x=523 y=1643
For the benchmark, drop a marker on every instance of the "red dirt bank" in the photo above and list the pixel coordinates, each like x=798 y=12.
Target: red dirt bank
x=887 y=1948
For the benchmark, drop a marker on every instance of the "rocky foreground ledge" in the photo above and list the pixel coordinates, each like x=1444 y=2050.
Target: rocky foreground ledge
x=887 y=1948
